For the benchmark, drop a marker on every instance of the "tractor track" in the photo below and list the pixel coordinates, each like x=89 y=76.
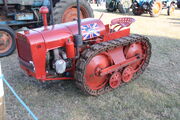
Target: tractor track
x=104 y=46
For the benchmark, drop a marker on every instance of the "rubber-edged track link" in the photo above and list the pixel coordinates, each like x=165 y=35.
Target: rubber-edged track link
x=95 y=49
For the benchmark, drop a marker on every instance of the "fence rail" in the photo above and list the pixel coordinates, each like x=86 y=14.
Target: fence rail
x=2 y=105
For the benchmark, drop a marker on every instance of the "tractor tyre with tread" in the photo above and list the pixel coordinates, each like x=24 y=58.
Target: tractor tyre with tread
x=137 y=12
x=178 y=3
x=66 y=10
x=124 y=6
x=155 y=8
x=136 y=9
x=7 y=40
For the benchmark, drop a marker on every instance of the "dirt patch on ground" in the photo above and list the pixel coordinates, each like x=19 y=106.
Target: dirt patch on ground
x=155 y=95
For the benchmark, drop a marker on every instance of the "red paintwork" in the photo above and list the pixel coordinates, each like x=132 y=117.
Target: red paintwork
x=133 y=50
x=98 y=62
x=31 y=47
x=118 y=66
x=70 y=49
x=44 y=10
x=117 y=55
x=116 y=35
x=115 y=80
x=34 y=45
x=127 y=74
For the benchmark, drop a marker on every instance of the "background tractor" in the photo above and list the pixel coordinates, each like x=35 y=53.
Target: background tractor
x=153 y=7
x=123 y=6
x=19 y=13
x=178 y=3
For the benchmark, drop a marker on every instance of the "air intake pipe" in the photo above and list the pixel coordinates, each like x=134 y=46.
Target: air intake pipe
x=44 y=11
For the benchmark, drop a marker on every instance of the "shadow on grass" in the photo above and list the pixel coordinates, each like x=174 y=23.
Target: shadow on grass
x=175 y=21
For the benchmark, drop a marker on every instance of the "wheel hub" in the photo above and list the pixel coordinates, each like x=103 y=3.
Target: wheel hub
x=71 y=14
x=156 y=8
x=93 y=80
x=115 y=80
x=5 y=41
x=127 y=74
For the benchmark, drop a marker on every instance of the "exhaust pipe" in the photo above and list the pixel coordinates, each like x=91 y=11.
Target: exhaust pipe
x=78 y=37
x=44 y=11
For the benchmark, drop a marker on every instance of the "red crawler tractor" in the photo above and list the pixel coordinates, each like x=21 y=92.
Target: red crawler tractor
x=98 y=57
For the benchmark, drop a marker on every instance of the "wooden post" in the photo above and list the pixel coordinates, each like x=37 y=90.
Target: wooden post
x=2 y=105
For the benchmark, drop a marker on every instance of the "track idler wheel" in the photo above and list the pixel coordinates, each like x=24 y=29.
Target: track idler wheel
x=127 y=74
x=115 y=80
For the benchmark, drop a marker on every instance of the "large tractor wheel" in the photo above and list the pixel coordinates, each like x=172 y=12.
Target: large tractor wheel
x=155 y=8
x=137 y=12
x=66 y=10
x=97 y=57
x=136 y=8
x=178 y=3
x=171 y=9
x=124 y=6
x=7 y=41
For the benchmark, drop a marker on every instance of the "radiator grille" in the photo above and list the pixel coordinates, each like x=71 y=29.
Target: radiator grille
x=23 y=46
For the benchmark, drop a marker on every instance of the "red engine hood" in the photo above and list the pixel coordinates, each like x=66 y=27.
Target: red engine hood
x=56 y=36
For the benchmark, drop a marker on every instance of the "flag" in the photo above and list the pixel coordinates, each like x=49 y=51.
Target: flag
x=90 y=31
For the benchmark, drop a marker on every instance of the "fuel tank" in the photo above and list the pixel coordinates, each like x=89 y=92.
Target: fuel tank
x=33 y=44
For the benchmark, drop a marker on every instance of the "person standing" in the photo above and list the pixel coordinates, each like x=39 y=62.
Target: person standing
x=98 y=2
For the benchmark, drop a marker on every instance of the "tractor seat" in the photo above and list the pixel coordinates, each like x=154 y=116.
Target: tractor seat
x=123 y=22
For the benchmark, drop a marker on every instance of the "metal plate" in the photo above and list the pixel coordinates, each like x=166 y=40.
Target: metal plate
x=24 y=16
